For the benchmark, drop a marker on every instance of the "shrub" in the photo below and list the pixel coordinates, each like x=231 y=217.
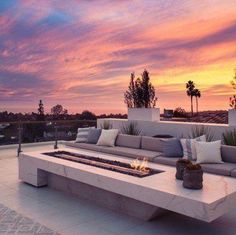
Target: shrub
x=179 y=112
x=106 y=125
x=131 y=129
x=202 y=130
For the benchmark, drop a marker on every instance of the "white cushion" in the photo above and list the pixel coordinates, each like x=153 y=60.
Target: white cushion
x=208 y=152
x=108 y=137
x=189 y=150
x=82 y=134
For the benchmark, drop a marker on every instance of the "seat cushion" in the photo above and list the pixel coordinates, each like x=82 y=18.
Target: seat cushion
x=129 y=141
x=134 y=153
x=166 y=160
x=152 y=144
x=120 y=151
x=233 y=173
x=225 y=169
x=228 y=153
x=219 y=169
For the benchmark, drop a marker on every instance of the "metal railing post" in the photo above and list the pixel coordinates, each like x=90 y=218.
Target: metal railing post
x=20 y=130
x=56 y=138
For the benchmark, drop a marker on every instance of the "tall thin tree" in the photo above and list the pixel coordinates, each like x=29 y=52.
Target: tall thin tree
x=190 y=86
x=41 y=116
x=197 y=94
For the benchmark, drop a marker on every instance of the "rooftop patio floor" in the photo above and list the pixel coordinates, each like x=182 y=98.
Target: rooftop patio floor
x=67 y=214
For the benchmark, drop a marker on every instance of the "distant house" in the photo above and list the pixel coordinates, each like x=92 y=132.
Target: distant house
x=168 y=113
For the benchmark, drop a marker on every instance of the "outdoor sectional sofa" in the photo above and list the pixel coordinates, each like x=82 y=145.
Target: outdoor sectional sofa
x=151 y=148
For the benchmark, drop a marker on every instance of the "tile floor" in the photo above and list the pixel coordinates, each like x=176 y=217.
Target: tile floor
x=72 y=216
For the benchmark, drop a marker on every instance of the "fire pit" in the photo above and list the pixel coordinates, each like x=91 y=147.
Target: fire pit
x=136 y=168
x=145 y=197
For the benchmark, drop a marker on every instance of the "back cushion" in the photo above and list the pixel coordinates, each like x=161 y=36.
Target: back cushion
x=82 y=134
x=129 y=141
x=172 y=147
x=152 y=144
x=228 y=153
x=94 y=135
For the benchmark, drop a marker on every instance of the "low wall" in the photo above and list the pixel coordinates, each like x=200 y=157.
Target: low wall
x=177 y=129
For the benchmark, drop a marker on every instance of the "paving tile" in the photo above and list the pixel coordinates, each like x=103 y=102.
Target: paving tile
x=116 y=222
x=70 y=215
x=86 y=229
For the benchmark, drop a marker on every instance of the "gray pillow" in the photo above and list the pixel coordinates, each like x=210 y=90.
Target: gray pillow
x=82 y=134
x=172 y=148
x=94 y=135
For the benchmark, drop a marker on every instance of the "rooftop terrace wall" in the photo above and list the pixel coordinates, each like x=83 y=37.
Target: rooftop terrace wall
x=176 y=129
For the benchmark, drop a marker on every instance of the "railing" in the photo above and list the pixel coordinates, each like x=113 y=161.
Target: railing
x=40 y=131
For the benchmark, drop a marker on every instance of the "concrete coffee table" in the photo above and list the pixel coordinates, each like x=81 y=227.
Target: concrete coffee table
x=141 y=197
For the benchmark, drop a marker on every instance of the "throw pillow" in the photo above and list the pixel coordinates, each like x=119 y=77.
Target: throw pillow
x=172 y=147
x=188 y=145
x=108 y=137
x=94 y=135
x=82 y=134
x=209 y=152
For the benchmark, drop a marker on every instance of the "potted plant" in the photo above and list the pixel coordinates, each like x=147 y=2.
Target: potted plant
x=180 y=166
x=232 y=104
x=141 y=99
x=193 y=176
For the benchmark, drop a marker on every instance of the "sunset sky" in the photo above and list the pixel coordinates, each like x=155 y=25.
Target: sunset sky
x=80 y=53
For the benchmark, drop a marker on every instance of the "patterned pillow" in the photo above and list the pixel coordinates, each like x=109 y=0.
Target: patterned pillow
x=82 y=134
x=189 y=148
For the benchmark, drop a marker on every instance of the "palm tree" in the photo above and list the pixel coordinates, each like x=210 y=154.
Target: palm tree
x=197 y=94
x=233 y=82
x=190 y=88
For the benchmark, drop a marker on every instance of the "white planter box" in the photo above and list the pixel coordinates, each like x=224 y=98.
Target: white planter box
x=232 y=117
x=144 y=114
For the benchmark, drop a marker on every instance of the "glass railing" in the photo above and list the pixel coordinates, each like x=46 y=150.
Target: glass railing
x=40 y=131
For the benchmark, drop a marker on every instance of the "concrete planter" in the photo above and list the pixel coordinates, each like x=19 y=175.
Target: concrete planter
x=144 y=114
x=232 y=117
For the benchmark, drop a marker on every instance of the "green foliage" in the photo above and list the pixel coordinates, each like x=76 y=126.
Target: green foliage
x=229 y=137
x=58 y=111
x=232 y=100
x=40 y=115
x=131 y=128
x=87 y=115
x=193 y=167
x=140 y=93
x=106 y=125
x=202 y=130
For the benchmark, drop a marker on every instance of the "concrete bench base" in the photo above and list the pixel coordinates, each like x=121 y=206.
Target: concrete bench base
x=105 y=198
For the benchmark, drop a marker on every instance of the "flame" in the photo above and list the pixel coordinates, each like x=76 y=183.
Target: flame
x=140 y=165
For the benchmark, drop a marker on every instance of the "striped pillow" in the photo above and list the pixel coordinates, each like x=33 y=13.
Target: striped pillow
x=82 y=134
x=189 y=148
